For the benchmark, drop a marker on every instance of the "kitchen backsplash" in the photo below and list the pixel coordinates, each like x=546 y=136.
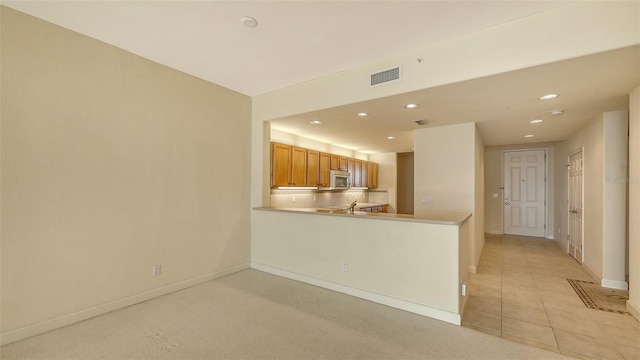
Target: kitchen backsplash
x=320 y=198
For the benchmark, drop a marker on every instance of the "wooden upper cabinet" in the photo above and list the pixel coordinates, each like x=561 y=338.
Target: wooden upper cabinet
x=374 y=176
x=335 y=162
x=357 y=171
x=351 y=168
x=324 y=169
x=313 y=167
x=342 y=163
x=298 y=166
x=280 y=165
x=363 y=173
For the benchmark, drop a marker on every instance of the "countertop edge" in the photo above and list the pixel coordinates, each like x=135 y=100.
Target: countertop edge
x=447 y=219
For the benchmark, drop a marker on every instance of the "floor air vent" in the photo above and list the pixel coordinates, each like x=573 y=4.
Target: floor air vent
x=422 y=122
x=385 y=76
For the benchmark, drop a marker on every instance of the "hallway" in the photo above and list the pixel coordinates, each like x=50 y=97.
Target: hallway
x=521 y=293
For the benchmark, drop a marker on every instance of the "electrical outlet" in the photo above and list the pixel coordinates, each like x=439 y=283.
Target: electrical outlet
x=427 y=200
x=345 y=266
x=293 y=198
x=156 y=270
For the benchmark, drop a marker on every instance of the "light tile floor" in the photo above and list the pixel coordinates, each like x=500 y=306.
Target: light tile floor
x=520 y=293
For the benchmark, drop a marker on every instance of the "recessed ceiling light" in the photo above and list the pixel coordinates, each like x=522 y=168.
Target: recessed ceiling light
x=557 y=112
x=536 y=121
x=362 y=114
x=411 y=106
x=548 y=96
x=249 y=22
x=528 y=136
x=315 y=122
x=391 y=137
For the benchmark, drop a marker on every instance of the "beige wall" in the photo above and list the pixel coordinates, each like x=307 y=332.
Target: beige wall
x=604 y=156
x=111 y=164
x=591 y=138
x=614 y=206
x=447 y=160
x=634 y=203
x=478 y=212
x=405 y=183
x=410 y=265
x=493 y=157
x=511 y=46
x=387 y=179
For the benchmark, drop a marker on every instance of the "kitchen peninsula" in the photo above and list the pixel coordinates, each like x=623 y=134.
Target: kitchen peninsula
x=415 y=264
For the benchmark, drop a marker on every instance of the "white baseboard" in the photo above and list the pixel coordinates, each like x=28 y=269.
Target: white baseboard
x=472 y=269
x=550 y=237
x=495 y=232
x=52 y=324
x=633 y=309
x=614 y=284
x=377 y=298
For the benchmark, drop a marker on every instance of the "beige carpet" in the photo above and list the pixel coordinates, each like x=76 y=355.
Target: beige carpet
x=253 y=315
x=596 y=297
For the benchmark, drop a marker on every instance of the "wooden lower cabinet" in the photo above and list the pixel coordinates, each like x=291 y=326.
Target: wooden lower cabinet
x=375 y=209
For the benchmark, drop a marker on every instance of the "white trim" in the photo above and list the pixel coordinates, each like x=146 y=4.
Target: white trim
x=614 y=284
x=633 y=309
x=472 y=269
x=52 y=324
x=423 y=310
x=550 y=237
x=495 y=232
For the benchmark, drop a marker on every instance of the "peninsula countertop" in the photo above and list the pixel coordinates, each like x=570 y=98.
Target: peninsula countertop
x=443 y=218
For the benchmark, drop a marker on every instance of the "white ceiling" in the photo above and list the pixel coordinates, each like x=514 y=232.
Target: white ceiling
x=296 y=41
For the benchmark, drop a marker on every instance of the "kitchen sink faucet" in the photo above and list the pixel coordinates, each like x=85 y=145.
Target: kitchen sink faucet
x=352 y=207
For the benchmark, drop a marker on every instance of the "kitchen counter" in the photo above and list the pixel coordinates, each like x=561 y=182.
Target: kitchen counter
x=448 y=218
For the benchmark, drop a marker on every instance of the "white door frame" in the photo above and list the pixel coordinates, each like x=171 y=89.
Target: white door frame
x=581 y=150
x=546 y=188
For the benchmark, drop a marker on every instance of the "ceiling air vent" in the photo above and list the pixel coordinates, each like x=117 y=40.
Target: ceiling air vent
x=422 y=122
x=385 y=76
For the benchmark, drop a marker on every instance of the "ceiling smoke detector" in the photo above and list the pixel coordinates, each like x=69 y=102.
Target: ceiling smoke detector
x=249 y=22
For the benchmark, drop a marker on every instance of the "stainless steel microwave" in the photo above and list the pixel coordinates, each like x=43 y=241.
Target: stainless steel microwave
x=339 y=180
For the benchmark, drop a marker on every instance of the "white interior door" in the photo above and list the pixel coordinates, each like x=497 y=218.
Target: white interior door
x=524 y=192
x=574 y=233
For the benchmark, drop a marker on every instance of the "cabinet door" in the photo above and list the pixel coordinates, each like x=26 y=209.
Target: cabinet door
x=280 y=165
x=364 y=173
x=374 y=170
x=335 y=162
x=357 y=179
x=342 y=163
x=313 y=167
x=298 y=166
x=325 y=166
x=370 y=175
x=351 y=166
